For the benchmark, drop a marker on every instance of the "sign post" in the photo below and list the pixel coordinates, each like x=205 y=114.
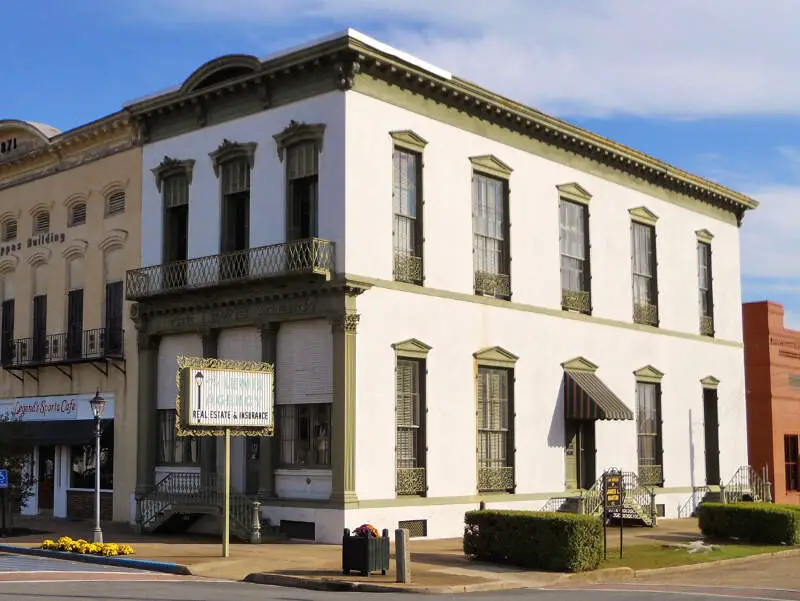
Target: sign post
x=613 y=498
x=218 y=397
x=4 y=496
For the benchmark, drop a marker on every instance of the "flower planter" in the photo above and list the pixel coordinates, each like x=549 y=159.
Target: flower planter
x=365 y=554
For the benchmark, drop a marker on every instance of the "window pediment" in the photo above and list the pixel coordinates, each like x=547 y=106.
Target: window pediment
x=220 y=70
x=41 y=207
x=412 y=348
x=113 y=239
x=710 y=382
x=496 y=356
x=229 y=150
x=579 y=364
x=171 y=166
x=704 y=236
x=409 y=140
x=76 y=198
x=575 y=192
x=8 y=264
x=297 y=132
x=643 y=215
x=648 y=373
x=40 y=257
x=491 y=165
x=76 y=249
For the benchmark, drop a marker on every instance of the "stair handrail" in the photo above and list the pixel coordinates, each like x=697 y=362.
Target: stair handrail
x=688 y=507
x=748 y=480
x=639 y=496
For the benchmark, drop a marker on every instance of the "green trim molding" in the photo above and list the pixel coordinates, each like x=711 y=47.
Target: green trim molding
x=643 y=215
x=412 y=348
x=579 y=364
x=574 y=192
x=649 y=374
x=495 y=356
x=710 y=382
x=515 y=306
x=409 y=140
x=490 y=165
x=704 y=236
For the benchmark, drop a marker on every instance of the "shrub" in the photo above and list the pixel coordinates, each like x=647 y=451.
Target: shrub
x=754 y=522
x=558 y=542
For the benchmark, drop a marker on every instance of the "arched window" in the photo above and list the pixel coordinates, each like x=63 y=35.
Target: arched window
x=41 y=223
x=9 y=230
x=115 y=203
x=77 y=215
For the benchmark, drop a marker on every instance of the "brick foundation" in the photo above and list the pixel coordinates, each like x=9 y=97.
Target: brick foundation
x=80 y=505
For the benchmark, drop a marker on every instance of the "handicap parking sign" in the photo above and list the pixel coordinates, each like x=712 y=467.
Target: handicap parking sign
x=3 y=478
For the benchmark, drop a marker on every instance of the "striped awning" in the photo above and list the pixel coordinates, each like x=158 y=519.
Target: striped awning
x=586 y=397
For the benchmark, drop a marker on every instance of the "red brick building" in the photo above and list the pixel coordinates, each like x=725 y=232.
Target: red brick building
x=772 y=371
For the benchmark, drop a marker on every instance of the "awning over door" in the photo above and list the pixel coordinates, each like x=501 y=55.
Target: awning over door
x=586 y=397
x=66 y=432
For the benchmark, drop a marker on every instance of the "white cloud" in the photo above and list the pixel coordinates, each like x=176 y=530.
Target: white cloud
x=771 y=236
x=682 y=58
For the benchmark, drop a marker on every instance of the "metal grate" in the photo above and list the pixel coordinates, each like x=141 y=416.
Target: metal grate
x=299 y=530
x=416 y=528
x=41 y=223
x=661 y=510
x=576 y=300
x=9 y=230
x=77 y=215
x=115 y=203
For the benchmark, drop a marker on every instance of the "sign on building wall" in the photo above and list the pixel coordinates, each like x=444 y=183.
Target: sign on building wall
x=53 y=408
x=225 y=395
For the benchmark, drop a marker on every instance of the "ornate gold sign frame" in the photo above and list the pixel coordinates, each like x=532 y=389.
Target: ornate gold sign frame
x=207 y=363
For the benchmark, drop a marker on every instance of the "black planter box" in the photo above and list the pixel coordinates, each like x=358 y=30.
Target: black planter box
x=365 y=555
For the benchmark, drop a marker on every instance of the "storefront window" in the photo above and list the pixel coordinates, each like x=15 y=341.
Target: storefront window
x=82 y=457
x=304 y=432
x=174 y=449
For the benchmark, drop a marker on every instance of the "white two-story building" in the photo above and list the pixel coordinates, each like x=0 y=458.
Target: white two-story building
x=465 y=299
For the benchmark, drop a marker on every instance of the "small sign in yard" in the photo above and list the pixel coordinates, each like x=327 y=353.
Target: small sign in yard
x=613 y=497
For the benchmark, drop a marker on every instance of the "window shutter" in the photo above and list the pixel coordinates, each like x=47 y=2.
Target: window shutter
x=77 y=215
x=9 y=230
x=115 y=203
x=41 y=223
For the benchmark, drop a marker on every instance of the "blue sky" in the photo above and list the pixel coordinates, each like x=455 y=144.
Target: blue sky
x=708 y=85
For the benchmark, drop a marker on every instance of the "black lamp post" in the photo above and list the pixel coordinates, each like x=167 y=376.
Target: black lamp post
x=198 y=378
x=98 y=404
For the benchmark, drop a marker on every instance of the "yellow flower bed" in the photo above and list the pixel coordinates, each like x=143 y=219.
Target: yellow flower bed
x=65 y=543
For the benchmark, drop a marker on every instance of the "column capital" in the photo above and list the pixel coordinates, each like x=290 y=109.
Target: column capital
x=347 y=322
x=147 y=342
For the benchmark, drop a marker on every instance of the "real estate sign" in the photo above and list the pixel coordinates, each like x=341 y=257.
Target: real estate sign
x=226 y=398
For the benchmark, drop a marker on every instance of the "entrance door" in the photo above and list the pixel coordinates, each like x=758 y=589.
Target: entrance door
x=235 y=236
x=711 y=426
x=46 y=478
x=75 y=324
x=580 y=454
x=39 y=327
x=251 y=467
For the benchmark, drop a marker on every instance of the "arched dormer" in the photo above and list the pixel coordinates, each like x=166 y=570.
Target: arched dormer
x=219 y=70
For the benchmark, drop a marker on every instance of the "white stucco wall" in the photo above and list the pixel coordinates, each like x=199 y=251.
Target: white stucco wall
x=534 y=218
x=267 y=196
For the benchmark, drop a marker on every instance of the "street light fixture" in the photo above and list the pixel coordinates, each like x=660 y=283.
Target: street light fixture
x=198 y=378
x=98 y=404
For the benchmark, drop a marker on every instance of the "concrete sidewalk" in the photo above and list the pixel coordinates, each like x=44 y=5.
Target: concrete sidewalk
x=437 y=565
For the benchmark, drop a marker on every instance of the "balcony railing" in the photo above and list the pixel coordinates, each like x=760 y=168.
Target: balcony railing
x=493 y=284
x=407 y=267
x=651 y=475
x=308 y=256
x=495 y=479
x=411 y=481
x=81 y=346
x=576 y=300
x=645 y=313
x=706 y=325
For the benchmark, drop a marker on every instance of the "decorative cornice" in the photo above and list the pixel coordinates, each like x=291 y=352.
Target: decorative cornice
x=574 y=192
x=643 y=215
x=704 y=236
x=76 y=250
x=409 y=140
x=40 y=257
x=710 y=382
x=491 y=165
x=346 y=72
x=113 y=239
x=579 y=364
x=648 y=374
x=495 y=356
x=235 y=65
x=297 y=132
x=171 y=166
x=231 y=150
x=411 y=348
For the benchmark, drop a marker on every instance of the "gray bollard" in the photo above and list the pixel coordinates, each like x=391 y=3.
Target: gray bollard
x=402 y=551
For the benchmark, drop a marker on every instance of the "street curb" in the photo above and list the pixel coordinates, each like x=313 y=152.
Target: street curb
x=718 y=562
x=120 y=562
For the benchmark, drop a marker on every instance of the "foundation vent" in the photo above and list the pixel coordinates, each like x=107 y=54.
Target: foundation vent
x=661 y=510
x=299 y=530
x=416 y=528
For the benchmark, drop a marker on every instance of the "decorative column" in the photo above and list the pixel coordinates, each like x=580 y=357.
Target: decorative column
x=343 y=412
x=147 y=415
x=208 y=444
x=268 y=445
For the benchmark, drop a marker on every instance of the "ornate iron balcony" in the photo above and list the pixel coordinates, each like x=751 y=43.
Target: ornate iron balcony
x=493 y=284
x=651 y=475
x=307 y=256
x=407 y=267
x=706 y=325
x=645 y=313
x=576 y=300
x=64 y=348
x=411 y=481
x=499 y=479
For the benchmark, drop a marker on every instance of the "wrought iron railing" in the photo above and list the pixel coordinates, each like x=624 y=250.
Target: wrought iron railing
x=689 y=506
x=554 y=505
x=748 y=484
x=645 y=313
x=706 y=325
x=411 y=481
x=576 y=300
x=493 y=284
x=407 y=267
x=651 y=475
x=307 y=256
x=495 y=479
x=65 y=347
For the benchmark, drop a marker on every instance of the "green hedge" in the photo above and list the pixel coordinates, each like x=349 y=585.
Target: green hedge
x=558 y=542
x=752 y=522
